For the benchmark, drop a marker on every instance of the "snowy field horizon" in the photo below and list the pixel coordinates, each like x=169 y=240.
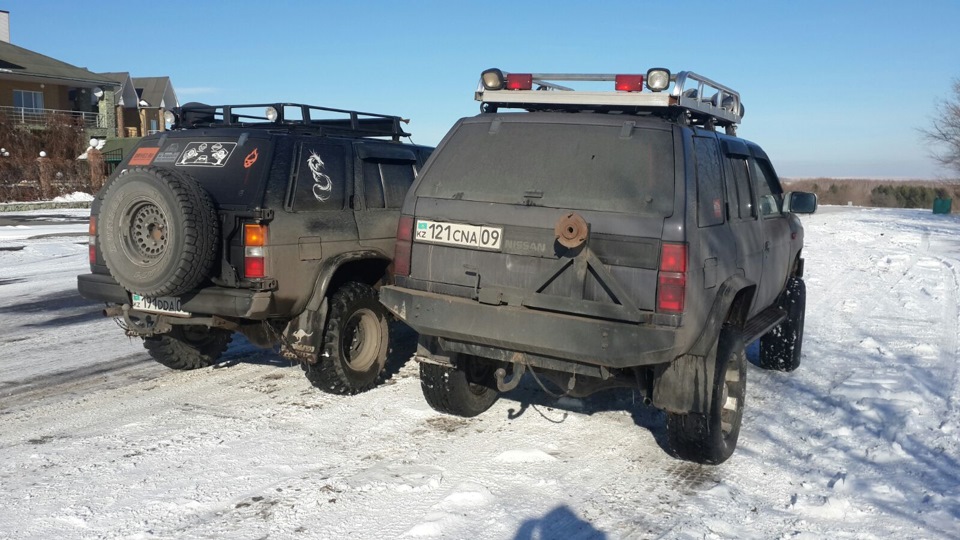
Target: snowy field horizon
x=862 y=441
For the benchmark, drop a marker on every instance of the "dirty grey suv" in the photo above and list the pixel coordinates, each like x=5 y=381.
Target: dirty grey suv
x=602 y=239
x=275 y=221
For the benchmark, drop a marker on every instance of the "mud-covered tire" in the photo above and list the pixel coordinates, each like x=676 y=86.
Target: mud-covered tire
x=780 y=348
x=158 y=232
x=355 y=342
x=465 y=390
x=711 y=438
x=188 y=347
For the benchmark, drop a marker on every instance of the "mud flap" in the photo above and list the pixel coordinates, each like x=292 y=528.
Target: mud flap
x=303 y=336
x=685 y=385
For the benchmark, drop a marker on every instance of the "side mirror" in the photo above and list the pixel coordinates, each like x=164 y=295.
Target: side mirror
x=800 y=202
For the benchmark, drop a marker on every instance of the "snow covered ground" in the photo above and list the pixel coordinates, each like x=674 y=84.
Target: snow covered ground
x=863 y=441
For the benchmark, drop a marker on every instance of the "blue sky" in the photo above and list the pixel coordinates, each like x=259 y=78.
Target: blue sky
x=830 y=88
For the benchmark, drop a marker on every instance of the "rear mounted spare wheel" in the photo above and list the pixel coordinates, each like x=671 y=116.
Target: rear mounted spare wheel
x=158 y=232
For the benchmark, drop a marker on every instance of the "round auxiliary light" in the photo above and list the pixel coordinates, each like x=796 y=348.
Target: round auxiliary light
x=492 y=79
x=272 y=114
x=43 y=154
x=658 y=79
x=169 y=117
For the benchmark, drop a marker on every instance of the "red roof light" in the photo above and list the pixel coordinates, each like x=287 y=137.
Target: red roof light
x=519 y=81
x=629 y=83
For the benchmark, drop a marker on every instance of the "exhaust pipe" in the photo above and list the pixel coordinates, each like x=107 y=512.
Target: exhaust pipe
x=113 y=311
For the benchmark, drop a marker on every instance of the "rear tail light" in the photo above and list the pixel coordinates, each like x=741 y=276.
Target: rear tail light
x=254 y=251
x=404 y=246
x=93 y=240
x=519 y=81
x=629 y=83
x=672 y=278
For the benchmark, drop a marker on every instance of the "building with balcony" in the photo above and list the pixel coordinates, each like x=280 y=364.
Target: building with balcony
x=35 y=88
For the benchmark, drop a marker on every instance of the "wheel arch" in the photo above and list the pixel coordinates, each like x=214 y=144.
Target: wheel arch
x=730 y=306
x=364 y=266
x=685 y=384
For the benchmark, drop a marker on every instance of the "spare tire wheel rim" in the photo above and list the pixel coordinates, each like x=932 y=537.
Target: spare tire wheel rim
x=147 y=233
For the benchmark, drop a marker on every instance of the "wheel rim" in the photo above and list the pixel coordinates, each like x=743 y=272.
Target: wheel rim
x=477 y=371
x=731 y=398
x=361 y=340
x=147 y=234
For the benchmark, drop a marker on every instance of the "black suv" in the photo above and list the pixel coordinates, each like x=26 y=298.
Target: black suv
x=277 y=221
x=602 y=239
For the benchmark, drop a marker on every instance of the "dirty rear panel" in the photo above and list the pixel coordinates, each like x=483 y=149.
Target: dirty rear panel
x=617 y=174
x=231 y=165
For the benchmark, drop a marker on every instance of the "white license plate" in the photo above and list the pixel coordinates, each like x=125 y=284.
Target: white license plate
x=169 y=305
x=458 y=234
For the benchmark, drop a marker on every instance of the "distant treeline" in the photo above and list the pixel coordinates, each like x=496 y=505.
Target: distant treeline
x=878 y=193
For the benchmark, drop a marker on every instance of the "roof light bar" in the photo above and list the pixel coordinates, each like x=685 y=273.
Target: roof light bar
x=668 y=94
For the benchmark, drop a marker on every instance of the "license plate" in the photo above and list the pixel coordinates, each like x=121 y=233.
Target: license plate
x=168 y=305
x=459 y=234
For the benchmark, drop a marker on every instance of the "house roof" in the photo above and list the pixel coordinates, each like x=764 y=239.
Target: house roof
x=156 y=91
x=19 y=62
x=125 y=93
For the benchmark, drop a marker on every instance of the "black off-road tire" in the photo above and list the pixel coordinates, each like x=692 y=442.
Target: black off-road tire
x=780 y=348
x=355 y=342
x=711 y=438
x=158 y=232
x=188 y=347
x=465 y=390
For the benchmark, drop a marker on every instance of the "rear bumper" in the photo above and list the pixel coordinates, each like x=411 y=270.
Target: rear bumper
x=582 y=340
x=222 y=301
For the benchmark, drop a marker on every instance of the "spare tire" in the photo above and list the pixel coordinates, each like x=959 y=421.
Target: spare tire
x=158 y=232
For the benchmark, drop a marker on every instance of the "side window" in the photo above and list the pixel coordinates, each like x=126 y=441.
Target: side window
x=709 y=182
x=768 y=189
x=740 y=177
x=319 y=183
x=385 y=182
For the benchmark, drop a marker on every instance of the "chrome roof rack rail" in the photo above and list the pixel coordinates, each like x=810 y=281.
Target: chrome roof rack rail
x=689 y=98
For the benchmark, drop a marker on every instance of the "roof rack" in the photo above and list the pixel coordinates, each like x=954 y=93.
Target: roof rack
x=322 y=120
x=683 y=97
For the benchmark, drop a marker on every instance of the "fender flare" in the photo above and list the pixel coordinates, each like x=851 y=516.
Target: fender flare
x=685 y=385
x=300 y=332
x=329 y=269
x=726 y=294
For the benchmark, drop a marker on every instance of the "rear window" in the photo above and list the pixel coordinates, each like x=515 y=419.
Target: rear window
x=230 y=169
x=605 y=168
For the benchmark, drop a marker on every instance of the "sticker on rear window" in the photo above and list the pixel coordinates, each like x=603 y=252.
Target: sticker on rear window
x=206 y=154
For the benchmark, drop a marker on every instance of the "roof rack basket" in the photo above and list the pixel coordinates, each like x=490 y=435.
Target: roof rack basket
x=322 y=120
x=689 y=99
